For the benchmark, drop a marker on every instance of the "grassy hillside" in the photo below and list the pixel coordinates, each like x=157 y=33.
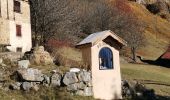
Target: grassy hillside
x=157 y=32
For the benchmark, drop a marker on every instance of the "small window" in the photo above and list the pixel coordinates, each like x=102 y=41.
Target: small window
x=18 y=30
x=17 y=6
x=19 y=49
x=105 y=59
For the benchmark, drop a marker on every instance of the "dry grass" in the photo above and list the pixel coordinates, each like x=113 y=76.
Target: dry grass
x=157 y=32
x=43 y=94
x=67 y=56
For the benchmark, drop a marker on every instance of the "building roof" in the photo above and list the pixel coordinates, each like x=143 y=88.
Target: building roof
x=166 y=55
x=99 y=36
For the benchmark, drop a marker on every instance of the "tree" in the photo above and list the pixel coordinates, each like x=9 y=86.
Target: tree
x=135 y=36
x=74 y=19
x=120 y=18
x=51 y=17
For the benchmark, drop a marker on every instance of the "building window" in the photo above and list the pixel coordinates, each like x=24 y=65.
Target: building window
x=18 y=30
x=18 y=49
x=17 y=6
x=105 y=59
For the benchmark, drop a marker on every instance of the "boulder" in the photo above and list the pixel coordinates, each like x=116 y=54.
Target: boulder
x=26 y=86
x=1 y=60
x=70 y=78
x=46 y=79
x=41 y=57
x=88 y=91
x=80 y=92
x=56 y=79
x=3 y=75
x=75 y=70
x=81 y=85
x=72 y=87
x=15 y=86
x=30 y=74
x=127 y=92
x=89 y=83
x=23 y=63
x=76 y=86
x=35 y=87
x=84 y=76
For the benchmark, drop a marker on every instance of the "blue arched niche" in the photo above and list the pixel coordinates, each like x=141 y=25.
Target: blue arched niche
x=105 y=58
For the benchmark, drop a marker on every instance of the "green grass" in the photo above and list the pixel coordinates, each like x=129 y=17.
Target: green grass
x=155 y=77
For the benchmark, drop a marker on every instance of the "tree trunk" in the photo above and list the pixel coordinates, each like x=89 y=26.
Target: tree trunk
x=133 y=50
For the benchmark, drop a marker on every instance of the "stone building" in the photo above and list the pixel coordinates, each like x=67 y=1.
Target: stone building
x=15 y=25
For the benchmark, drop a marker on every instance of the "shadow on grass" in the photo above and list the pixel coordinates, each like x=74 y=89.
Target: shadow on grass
x=158 y=62
x=163 y=97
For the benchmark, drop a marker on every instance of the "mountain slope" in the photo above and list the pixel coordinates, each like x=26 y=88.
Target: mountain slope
x=157 y=32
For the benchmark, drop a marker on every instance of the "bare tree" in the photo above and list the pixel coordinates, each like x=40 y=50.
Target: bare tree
x=51 y=17
x=120 y=18
x=73 y=19
x=135 y=36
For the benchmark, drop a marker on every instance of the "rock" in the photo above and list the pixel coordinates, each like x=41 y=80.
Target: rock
x=81 y=85
x=26 y=86
x=89 y=84
x=80 y=92
x=35 y=88
x=139 y=94
x=3 y=75
x=125 y=83
x=23 y=63
x=88 y=91
x=127 y=92
x=70 y=78
x=46 y=79
x=72 y=87
x=1 y=60
x=84 y=76
x=75 y=70
x=76 y=86
x=56 y=79
x=41 y=57
x=40 y=48
x=15 y=86
x=141 y=1
x=139 y=87
x=4 y=65
x=56 y=71
x=31 y=74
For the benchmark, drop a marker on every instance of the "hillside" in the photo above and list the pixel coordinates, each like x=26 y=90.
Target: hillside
x=157 y=32
x=56 y=71
x=154 y=77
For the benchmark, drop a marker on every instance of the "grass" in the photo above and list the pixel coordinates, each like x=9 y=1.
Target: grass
x=68 y=56
x=43 y=94
x=155 y=77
